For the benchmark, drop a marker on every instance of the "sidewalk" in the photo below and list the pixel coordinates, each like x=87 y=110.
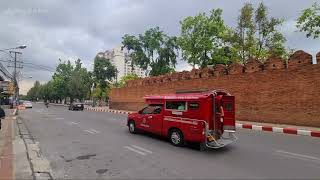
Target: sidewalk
x=20 y=156
x=6 y=147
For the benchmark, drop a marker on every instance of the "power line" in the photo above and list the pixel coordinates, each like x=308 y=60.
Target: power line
x=28 y=64
x=38 y=68
x=38 y=65
x=5 y=72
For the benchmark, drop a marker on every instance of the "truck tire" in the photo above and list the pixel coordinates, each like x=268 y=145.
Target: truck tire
x=176 y=137
x=132 y=127
x=202 y=147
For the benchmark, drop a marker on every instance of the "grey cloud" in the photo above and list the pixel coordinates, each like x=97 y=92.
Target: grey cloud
x=74 y=29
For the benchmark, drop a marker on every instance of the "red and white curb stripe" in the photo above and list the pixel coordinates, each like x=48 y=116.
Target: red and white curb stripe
x=279 y=130
x=107 y=110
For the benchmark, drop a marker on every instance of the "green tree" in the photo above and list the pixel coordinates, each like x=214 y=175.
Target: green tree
x=245 y=32
x=130 y=42
x=152 y=50
x=46 y=91
x=61 y=79
x=125 y=79
x=269 y=40
x=309 y=21
x=205 y=39
x=257 y=35
x=34 y=93
x=99 y=93
x=103 y=73
x=80 y=82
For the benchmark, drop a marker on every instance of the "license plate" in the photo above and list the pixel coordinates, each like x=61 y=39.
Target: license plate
x=78 y=105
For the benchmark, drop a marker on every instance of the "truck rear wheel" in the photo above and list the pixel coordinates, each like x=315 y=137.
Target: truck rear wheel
x=176 y=137
x=132 y=127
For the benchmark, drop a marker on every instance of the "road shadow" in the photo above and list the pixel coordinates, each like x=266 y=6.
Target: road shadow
x=188 y=146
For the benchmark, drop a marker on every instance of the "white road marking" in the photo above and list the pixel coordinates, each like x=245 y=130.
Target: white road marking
x=142 y=149
x=59 y=118
x=93 y=130
x=71 y=123
x=89 y=131
x=299 y=156
x=134 y=150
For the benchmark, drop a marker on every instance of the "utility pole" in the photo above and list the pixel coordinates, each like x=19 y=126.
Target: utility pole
x=15 y=81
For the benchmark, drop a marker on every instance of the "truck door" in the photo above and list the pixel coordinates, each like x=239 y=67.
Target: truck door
x=151 y=118
x=144 y=118
x=155 y=119
x=228 y=104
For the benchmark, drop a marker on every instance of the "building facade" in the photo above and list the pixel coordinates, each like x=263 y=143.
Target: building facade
x=121 y=60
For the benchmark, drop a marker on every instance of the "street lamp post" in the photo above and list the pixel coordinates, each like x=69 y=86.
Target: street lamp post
x=18 y=47
x=16 y=91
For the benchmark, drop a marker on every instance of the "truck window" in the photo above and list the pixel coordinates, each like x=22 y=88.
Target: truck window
x=176 y=105
x=228 y=106
x=152 y=109
x=193 y=105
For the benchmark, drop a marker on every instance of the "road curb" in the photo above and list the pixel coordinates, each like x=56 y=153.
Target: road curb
x=254 y=127
x=275 y=129
x=108 y=110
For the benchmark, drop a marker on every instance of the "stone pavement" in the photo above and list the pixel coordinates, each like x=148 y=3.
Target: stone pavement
x=20 y=155
x=6 y=148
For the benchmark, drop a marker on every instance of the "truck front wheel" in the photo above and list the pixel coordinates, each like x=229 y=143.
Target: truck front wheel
x=176 y=137
x=132 y=127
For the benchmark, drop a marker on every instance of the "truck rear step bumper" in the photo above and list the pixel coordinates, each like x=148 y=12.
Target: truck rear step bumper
x=227 y=138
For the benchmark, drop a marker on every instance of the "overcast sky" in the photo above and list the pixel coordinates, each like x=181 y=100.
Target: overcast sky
x=72 y=29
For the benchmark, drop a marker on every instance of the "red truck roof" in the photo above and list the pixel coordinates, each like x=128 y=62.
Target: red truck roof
x=184 y=96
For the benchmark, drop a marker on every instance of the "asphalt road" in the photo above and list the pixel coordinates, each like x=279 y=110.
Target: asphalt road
x=92 y=145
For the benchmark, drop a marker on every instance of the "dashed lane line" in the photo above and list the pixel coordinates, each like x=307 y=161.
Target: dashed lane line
x=93 y=130
x=298 y=156
x=71 y=123
x=134 y=150
x=142 y=149
x=89 y=131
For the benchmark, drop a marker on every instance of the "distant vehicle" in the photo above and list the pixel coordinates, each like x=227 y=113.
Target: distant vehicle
x=207 y=118
x=76 y=106
x=27 y=104
x=21 y=102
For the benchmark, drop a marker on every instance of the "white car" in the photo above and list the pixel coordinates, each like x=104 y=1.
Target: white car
x=27 y=104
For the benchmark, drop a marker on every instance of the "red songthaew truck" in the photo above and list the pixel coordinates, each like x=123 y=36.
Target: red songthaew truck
x=204 y=117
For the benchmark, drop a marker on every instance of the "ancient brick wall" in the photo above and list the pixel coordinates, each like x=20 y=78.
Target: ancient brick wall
x=275 y=92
